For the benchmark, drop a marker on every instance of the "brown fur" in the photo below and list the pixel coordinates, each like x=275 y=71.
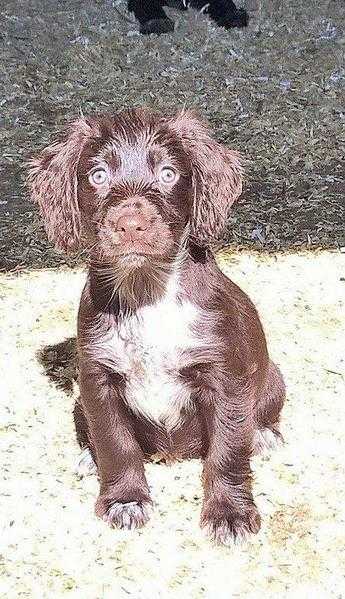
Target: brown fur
x=236 y=392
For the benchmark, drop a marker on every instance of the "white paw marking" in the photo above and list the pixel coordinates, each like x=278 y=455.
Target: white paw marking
x=265 y=441
x=222 y=534
x=85 y=464
x=128 y=515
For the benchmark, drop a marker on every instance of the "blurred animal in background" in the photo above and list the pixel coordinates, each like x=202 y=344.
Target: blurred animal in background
x=153 y=19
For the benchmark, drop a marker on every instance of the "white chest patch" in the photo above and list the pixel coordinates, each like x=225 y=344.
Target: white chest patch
x=150 y=348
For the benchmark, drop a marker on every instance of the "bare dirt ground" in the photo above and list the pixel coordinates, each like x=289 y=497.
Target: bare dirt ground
x=274 y=91
x=51 y=543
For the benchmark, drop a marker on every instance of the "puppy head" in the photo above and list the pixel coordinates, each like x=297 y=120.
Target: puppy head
x=135 y=184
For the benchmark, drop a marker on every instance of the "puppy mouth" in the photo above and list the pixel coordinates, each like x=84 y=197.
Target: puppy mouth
x=134 y=247
x=133 y=259
x=149 y=248
x=138 y=250
x=145 y=250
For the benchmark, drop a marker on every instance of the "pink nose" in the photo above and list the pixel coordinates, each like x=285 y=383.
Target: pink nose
x=131 y=227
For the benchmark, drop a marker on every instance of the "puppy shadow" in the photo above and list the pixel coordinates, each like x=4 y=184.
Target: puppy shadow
x=60 y=364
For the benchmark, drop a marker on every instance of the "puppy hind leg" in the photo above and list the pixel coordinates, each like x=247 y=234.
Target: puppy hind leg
x=86 y=462
x=267 y=412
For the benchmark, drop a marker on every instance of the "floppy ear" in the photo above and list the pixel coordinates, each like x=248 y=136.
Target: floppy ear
x=53 y=183
x=217 y=177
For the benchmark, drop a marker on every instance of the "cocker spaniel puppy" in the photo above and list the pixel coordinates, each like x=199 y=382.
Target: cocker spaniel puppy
x=172 y=356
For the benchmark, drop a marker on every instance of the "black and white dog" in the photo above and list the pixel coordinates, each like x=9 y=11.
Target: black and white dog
x=153 y=19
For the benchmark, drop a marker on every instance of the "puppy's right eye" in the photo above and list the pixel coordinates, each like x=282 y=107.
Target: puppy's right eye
x=98 y=177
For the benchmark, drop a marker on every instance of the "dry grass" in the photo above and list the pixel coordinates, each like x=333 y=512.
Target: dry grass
x=51 y=543
x=274 y=91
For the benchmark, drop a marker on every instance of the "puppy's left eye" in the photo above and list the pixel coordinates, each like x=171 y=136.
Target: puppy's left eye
x=98 y=177
x=168 y=175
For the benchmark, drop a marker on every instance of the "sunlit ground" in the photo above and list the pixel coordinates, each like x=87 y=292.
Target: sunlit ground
x=51 y=543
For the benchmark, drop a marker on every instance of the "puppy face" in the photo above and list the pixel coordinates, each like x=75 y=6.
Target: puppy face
x=134 y=190
x=135 y=185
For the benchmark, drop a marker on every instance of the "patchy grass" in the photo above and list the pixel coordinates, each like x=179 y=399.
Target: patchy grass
x=274 y=91
x=51 y=543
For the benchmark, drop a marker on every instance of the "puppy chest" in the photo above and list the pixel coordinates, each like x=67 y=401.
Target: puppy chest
x=151 y=348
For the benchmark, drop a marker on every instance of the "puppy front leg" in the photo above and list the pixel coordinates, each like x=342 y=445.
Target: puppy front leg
x=229 y=512
x=124 y=499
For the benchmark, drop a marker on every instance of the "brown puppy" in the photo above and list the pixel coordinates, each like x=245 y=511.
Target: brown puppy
x=172 y=355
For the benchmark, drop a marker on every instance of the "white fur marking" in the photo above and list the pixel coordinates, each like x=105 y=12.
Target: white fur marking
x=148 y=348
x=265 y=441
x=85 y=464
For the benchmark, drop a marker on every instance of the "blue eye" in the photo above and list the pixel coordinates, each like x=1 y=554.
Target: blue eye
x=168 y=175
x=98 y=177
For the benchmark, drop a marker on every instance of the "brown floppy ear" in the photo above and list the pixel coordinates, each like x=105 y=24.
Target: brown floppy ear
x=53 y=183
x=217 y=177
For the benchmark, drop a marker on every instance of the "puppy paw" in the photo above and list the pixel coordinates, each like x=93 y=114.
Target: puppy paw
x=85 y=464
x=266 y=440
x=123 y=514
x=157 y=26
x=227 y=525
